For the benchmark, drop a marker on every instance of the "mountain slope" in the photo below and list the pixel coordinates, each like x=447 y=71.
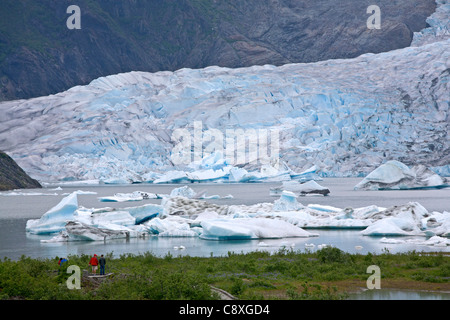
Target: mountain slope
x=346 y=116
x=40 y=56
x=12 y=176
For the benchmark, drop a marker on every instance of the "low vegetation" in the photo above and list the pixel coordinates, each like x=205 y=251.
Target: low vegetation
x=328 y=274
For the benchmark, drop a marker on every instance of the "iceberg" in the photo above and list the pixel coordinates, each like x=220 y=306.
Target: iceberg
x=287 y=202
x=190 y=207
x=78 y=231
x=170 y=228
x=184 y=191
x=318 y=219
x=394 y=175
x=55 y=219
x=438 y=224
x=398 y=221
x=105 y=216
x=181 y=214
x=134 y=196
x=435 y=241
x=310 y=187
x=250 y=228
x=145 y=212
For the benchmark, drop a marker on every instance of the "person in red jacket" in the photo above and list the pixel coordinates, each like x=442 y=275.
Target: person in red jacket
x=94 y=264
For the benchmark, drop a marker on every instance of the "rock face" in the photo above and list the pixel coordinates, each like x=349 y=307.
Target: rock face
x=39 y=55
x=12 y=176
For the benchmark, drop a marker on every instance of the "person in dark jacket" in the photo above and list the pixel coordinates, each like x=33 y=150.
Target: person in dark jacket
x=102 y=263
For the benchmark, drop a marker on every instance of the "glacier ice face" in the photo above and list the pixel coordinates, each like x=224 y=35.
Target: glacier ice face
x=345 y=116
x=439 y=25
x=396 y=175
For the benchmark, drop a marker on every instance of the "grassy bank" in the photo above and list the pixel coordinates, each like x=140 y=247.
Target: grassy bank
x=325 y=274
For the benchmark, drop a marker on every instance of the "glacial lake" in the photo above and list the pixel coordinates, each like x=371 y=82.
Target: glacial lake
x=18 y=206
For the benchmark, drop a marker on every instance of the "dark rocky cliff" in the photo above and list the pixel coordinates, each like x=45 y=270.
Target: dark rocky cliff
x=39 y=55
x=12 y=176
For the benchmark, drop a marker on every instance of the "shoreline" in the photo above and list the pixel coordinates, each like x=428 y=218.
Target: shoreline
x=328 y=274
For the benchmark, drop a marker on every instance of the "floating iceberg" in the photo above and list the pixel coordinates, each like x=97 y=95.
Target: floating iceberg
x=250 y=228
x=394 y=175
x=287 y=202
x=79 y=231
x=170 y=228
x=184 y=191
x=310 y=217
x=184 y=216
x=104 y=216
x=435 y=241
x=187 y=192
x=399 y=221
x=190 y=207
x=134 y=196
x=307 y=188
x=55 y=219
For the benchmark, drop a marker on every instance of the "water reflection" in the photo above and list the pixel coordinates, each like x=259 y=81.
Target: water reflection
x=394 y=294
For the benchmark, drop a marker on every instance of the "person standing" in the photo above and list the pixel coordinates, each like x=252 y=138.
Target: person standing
x=94 y=264
x=61 y=264
x=102 y=262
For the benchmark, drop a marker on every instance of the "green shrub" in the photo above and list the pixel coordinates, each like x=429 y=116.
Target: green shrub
x=332 y=254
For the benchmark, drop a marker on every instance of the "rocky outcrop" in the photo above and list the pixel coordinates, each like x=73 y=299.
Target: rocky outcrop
x=12 y=176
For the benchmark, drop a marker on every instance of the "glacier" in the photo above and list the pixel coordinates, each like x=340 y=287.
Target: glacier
x=345 y=117
x=181 y=216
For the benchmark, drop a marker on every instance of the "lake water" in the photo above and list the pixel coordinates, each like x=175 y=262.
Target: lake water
x=15 y=210
x=394 y=294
